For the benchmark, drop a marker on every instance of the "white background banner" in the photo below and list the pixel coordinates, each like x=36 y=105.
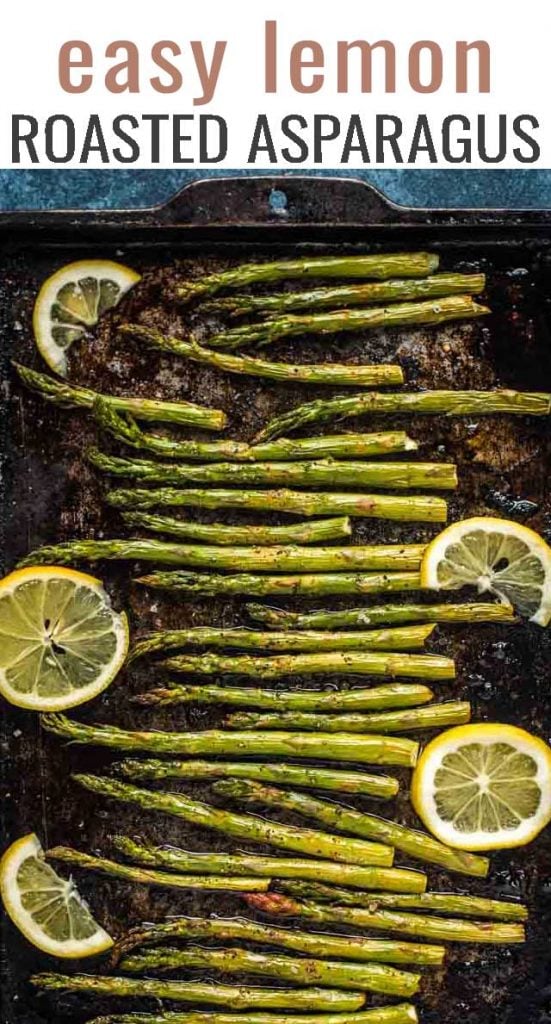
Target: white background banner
x=260 y=84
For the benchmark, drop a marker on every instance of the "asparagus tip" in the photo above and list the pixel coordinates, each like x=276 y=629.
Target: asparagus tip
x=235 y=788
x=55 y=852
x=270 y=903
x=84 y=779
x=152 y=697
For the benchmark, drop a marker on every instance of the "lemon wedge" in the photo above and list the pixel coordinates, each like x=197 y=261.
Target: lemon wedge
x=484 y=786
x=72 y=300
x=47 y=909
x=496 y=556
x=61 y=641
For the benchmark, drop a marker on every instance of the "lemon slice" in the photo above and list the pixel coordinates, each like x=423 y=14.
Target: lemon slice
x=484 y=787
x=47 y=909
x=72 y=300
x=61 y=642
x=496 y=556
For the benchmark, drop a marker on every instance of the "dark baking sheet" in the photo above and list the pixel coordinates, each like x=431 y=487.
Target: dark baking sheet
x=50 y=494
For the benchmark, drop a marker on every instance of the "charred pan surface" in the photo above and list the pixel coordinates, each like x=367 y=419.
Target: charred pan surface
x=54 y=495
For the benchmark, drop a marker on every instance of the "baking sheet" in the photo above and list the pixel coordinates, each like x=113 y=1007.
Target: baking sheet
x=52 y=494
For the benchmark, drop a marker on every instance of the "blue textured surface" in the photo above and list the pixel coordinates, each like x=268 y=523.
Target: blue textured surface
x=82 y=189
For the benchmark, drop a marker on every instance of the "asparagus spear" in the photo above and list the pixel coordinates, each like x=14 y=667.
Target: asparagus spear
x=338 y=296
x=408 y=840
x=380 y=267
x=396 y=879
x=234 y=997
x=338 y=446
x=438 y=403
x=393 y=695
x=162 y=878
x=215 y=742
x=70 y=396
x=437 y=716
x=434 y=902
x=404 y=639
x=313 y=532
x=276 y=618
x=333 y=374
x=404 y=1013
x=440 y=929
x=278 y=558
x=316 y=944
x=344 y=781
x=399 y=314
x=300 y=971
x=379 y=663
x=315 y=585
x=327 y=473
x=243 y=826
x=412 y=508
